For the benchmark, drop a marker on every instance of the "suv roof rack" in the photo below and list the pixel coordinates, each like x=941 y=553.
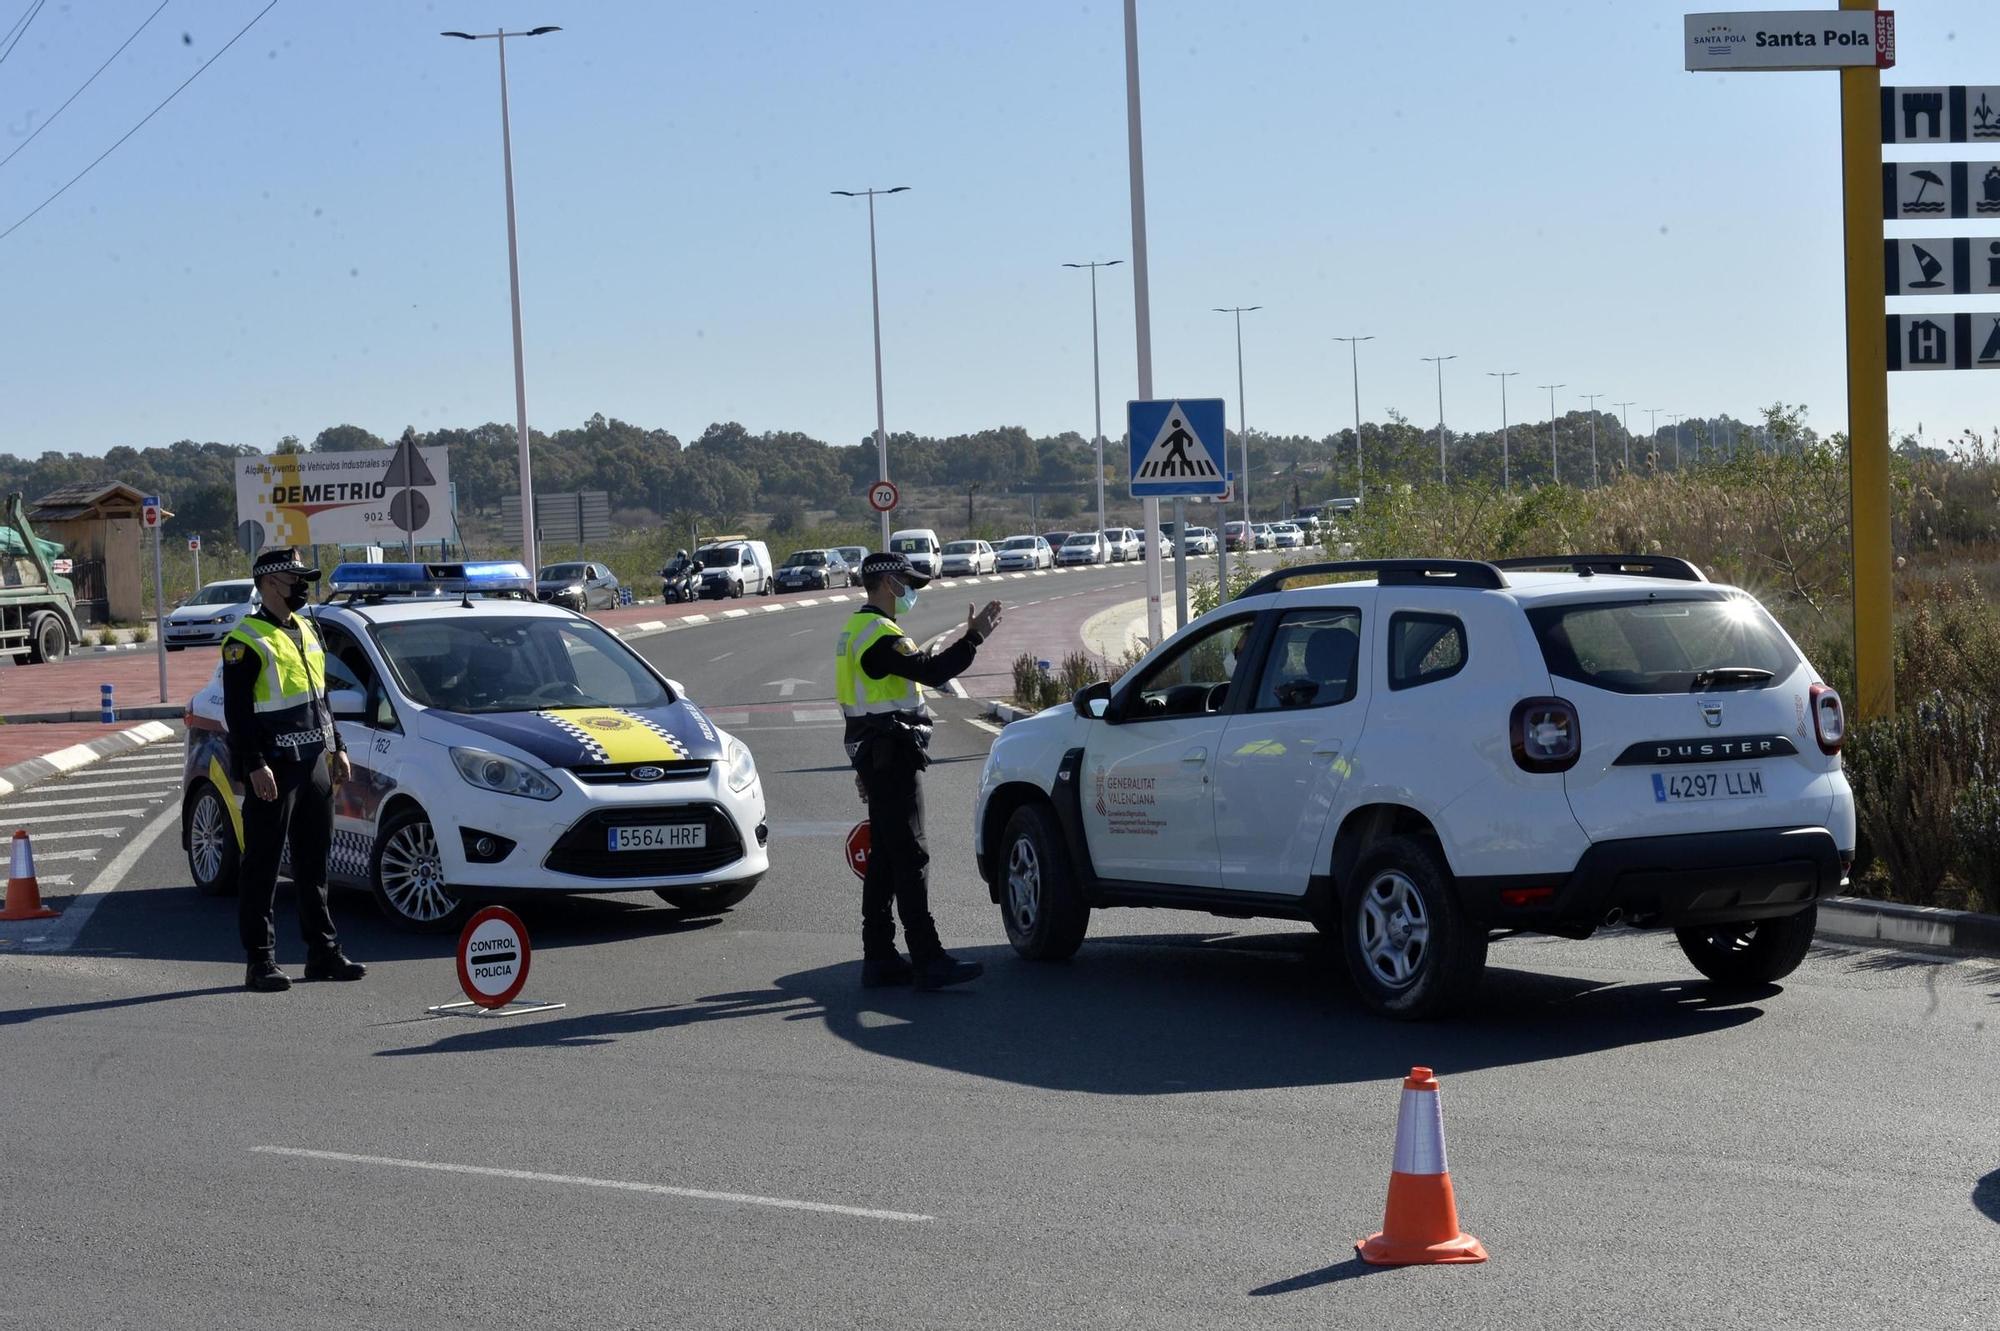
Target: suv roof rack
x=1638 y=566
x=1471 y=573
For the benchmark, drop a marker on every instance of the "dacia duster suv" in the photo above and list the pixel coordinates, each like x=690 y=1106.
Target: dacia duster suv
x=1434 y=753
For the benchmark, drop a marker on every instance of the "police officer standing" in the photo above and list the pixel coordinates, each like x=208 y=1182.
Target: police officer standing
x=879 y=676
x=280 y=731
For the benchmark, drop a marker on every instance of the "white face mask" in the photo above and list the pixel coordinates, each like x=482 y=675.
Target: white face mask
x=906 y=601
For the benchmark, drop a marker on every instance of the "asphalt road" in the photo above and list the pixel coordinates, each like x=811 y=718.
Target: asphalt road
x=1186 y=1126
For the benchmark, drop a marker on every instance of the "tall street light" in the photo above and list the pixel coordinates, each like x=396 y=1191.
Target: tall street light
x=1625 y=421
x=1354 y=363
x=529 y=555
x=1591 y=398
x=1653 y=418
x=1555 y=463
x=1503 y=376
x=1097 y=379
x=1242 y=423
x=1676 y=417
x=1439 y=362
x=875 y=304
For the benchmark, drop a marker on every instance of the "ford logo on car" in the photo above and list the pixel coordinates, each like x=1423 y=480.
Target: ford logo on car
x=647 y=774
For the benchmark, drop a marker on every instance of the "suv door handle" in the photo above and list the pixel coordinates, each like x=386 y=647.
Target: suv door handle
x=1195 y=756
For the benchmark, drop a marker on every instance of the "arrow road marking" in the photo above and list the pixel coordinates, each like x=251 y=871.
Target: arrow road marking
x=785 y=687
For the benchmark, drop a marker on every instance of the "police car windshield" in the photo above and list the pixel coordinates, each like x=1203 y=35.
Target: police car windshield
x=493 y=663
x=222 y=593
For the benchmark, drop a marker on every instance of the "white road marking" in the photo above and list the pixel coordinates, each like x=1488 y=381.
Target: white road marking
x=810 y=600
x=63 y=932
x=1043 y=572
x=621 y=1185
x=724 y=657
x=729 y=720
x=6 y=809
x=802 y=632
x=89 y=854
x=79 y=835
x=844 y=597
x=806 y=716
x=650 y=625
x=149 y=758
x=161 y=779
x=734 y=614
x=694 y=619
x=987 y=726
x=774 y=609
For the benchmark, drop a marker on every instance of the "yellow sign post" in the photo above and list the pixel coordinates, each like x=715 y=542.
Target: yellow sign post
x=1867 y=388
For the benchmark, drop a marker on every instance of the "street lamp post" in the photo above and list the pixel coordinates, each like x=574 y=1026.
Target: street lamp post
x=1439 y=362
x=1555 y=463
x=1653 y=424
x=1242 y=422
x=1676 y=416
x=1097 y=378
x=875 y=304
x=1503 y=376
x=1591 y=398
x=528 y=533
x=1625 y=423
x=1354 y=360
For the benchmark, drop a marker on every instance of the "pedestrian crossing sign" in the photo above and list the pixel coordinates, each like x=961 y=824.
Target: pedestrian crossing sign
x=1177 y=447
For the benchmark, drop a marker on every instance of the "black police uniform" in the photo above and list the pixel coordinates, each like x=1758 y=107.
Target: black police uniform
x=889 y=751
x=301 y=814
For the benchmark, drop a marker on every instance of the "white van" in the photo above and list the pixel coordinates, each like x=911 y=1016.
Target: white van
x=734 y=566
x=920 y=545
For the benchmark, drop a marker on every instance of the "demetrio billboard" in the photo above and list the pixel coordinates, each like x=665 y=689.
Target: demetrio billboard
x=374 y=497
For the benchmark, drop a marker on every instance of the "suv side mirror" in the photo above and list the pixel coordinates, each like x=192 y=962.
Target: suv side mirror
x=1093 y=701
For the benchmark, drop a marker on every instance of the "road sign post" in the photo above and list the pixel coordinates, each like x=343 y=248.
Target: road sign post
x=194 y=545
x=493 y=958
x=150 y=515
x=883 y=496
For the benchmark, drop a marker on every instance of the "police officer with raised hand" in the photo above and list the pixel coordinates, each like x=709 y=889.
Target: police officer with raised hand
x=880 y=678
x=282 y=739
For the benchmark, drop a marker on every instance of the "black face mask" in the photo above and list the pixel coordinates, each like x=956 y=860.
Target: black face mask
x=296 y=598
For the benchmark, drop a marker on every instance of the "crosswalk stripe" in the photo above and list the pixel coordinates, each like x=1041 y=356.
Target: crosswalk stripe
x=85 y=832
x=6 y=809
x=160 y=780
x=90 y=854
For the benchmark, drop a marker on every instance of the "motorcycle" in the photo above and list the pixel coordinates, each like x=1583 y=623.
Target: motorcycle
x=680 y=580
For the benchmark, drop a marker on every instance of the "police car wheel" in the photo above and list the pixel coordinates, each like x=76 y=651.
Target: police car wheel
x=408 y=878
x=211 y=843
x=1045 y=914
x=704 y=900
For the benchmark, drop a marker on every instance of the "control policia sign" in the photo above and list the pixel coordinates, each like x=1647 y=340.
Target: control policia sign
x=1791 y=39
x=370 y=497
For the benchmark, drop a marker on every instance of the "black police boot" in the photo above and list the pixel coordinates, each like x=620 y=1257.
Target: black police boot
x=943 y=969
x=331 y=965
x=884 y=972
x=263 y=976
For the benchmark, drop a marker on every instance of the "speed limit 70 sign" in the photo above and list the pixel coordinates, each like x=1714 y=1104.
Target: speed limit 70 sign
x=882 y=496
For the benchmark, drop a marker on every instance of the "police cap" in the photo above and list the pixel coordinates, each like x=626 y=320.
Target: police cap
x=893 y=564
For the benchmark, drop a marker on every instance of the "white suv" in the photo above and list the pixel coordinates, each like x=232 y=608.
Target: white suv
x=1446 y=750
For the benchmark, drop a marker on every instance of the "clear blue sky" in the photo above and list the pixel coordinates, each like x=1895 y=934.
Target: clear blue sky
x=312 y=233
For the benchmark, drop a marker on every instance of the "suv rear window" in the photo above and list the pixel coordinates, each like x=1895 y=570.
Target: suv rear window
x=1657 y=645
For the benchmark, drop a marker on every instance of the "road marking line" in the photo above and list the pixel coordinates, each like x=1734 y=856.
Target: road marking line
x=68 y=817
x=78 y=835
x=163 y=779
x=810 y=601
x=63 y=933
x=831 y=599
x=774 y=609
x=149 y=758
x=734 y=614
x=802 y=632
x=620 y=1185
x=1042 y=572
x=89 y=854
x=650 y=625
x=694 y=619
x=987 y=726
x=724 y=657
x=806 y=716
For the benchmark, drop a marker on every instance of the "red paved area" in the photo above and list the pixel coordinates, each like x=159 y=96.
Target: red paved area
x=20 y=743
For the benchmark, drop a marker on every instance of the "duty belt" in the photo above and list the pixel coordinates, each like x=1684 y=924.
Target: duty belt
x=298 y=739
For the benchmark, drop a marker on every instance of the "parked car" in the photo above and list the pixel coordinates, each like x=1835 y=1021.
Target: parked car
x=1286 y=536
x=1056 y=538
x=920 y=545
x=1199 y=541
x=1634 y=745
x=813 y=570
x=853 y=554
x=962 y=558
x=1265 y=540
x=580 y=585
x=1020 y=554
x=1237 y=535
x=210 y=614
x=734 y=566
x=1084 y=547
x=1122 y=544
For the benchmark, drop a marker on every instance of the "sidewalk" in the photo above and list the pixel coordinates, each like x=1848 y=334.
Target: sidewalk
x=33 y=753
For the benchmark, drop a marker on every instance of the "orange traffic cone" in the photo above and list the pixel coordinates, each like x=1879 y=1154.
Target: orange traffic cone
x=24 y=895
x=1420 y=1225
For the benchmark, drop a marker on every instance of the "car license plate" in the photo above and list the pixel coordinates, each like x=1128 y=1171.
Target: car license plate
x=1674 y=787
x=658 y=836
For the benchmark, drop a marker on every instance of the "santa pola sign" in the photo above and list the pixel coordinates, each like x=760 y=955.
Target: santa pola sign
x=1792 y=39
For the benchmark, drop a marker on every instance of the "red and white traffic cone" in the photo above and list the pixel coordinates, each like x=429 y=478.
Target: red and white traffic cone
x=1420 y=1224
x=24 y=895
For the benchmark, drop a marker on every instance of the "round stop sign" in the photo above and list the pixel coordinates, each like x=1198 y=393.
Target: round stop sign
x=493 y=957
x=882 y=496
x=858 y=840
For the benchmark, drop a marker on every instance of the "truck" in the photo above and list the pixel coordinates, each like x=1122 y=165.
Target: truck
x=37 y=604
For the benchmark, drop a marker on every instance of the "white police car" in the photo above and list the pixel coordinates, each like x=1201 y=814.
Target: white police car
x=500 y=747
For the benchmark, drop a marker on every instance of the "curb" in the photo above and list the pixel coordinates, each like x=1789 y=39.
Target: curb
x=157 y=711
x=1006 y=712
x=31 y=770
x=1857 y=919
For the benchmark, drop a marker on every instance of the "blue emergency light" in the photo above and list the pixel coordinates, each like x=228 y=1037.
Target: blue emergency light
x=489 y=577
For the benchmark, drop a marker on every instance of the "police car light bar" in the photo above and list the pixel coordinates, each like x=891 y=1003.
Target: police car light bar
x=489 y=577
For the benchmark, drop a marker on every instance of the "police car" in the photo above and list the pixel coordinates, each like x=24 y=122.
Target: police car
x=1441 y=751
x=501 y=747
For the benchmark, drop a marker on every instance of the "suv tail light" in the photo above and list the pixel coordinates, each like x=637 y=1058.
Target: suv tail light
x=1829 y=719
x=1546 y=735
